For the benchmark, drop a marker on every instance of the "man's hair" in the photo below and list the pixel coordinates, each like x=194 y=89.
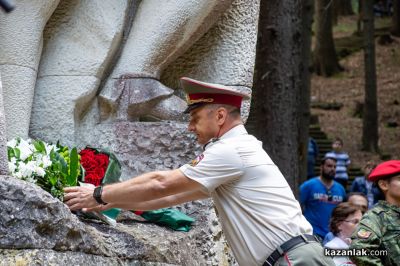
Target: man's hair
x=370 y=164
x=356 y=194
x=363 y=208
x=337 y=139
x=327 y=158
x=232 y=110
x=340 y=214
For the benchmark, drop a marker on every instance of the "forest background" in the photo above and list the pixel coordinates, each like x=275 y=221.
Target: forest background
x=336 y=62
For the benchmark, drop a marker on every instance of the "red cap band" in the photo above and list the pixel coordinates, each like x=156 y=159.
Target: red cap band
x=229 y=99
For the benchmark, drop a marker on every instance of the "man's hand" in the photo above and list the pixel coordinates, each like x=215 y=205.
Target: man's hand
x=78 y=198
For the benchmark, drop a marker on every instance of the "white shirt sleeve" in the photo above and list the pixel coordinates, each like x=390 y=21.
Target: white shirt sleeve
x=219 y=164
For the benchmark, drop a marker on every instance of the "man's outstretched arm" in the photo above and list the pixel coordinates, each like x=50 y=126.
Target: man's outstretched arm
x=144 y=188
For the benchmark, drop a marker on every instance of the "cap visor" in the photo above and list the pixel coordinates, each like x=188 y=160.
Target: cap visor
x=192 y=107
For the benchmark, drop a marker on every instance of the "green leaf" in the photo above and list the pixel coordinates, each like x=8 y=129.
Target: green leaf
x=39 y=146
x=53 y=180
x=17 y=153
x=62 y=164
x=83 y=173
x=10 y=153
x=73 y=168
x=113 y=172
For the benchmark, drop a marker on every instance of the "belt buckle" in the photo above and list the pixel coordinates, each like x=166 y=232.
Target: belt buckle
x=279 y=249
x=270 y=261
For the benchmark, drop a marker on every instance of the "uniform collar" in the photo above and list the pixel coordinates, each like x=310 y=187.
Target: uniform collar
x=390 y=206
x=233 y=132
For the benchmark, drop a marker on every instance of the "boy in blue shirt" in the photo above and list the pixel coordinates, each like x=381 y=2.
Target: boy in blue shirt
x=342 y=161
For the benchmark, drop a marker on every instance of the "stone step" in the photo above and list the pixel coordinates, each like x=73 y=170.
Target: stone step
x=324 y=146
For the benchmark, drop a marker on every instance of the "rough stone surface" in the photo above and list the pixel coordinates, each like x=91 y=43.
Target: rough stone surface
x=89 y=47
x=163 y=30
x=81 y=37
x=140 y=147
x=21 y=47
x=18 y=84
x=32 y=218
x=54 y=114
x=53 y=258
x=225 y=54
x=132 y=98
x=35 y=227
x=3 y=137
x=80 y=40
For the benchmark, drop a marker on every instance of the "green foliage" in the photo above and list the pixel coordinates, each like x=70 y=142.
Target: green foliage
x=73 y=168
x=52 y=167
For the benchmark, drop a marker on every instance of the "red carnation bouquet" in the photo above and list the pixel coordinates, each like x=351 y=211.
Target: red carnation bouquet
x=100 y=166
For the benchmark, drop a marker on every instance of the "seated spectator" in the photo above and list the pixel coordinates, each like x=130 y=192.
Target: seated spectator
x=319 y=196
x=357 y=199
x=344 y=220
x=312 y=155
x=342 y=162
x=368 y=188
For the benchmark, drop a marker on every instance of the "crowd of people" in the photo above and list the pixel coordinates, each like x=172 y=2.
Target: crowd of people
x=365 y=216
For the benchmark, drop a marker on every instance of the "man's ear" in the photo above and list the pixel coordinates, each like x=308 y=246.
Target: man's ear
x=221 y=115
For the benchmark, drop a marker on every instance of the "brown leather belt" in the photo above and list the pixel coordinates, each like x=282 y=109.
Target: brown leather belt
x=288 y=245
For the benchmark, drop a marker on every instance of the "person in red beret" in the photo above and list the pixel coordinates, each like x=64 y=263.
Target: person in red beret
x=261 y=219
x=379 y=230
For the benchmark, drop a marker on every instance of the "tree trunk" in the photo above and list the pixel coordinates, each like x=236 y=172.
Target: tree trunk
x=359 y=18
x=274 y=115
x=325 y=60
x=308 y=13
x=396 y=18
x=343 y=7
x=3 y=139
x=370 y=112
x=335 y=12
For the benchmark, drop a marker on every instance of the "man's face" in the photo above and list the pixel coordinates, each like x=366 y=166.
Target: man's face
x=203 y=123
x=360 y=202
x=328 y=169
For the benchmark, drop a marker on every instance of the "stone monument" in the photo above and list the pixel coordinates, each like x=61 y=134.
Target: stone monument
x=106 y=74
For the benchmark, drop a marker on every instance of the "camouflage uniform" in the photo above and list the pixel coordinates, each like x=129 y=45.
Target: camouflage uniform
x=379 y=229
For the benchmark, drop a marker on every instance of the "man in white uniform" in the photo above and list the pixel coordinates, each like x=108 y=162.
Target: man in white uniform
x=261 y=219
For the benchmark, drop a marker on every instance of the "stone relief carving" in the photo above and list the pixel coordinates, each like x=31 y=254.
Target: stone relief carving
x=106 y=73
x=123 y=58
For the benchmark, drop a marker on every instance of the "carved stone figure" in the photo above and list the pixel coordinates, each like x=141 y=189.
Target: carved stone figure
x=106 y=73
x=79 y=71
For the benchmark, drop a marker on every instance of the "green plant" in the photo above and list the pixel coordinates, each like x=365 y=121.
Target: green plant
x=52 y=167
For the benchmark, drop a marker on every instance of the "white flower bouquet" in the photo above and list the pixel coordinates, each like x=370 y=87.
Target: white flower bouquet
x=52 y=167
